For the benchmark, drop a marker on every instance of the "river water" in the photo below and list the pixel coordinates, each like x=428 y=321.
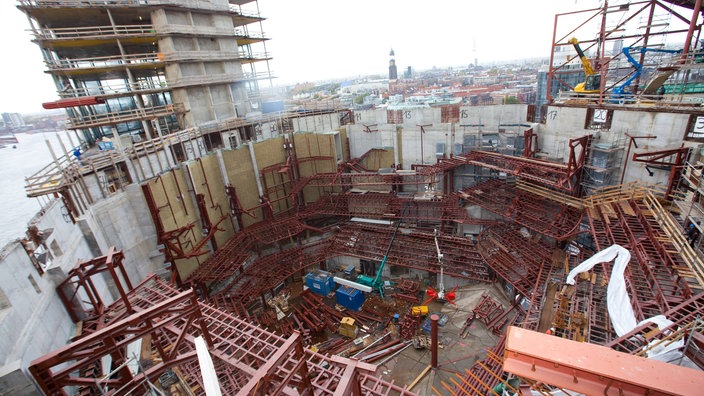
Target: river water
x=30 y=155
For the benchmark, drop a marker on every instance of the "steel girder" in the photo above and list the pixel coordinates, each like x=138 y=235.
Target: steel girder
x=228 y=260
x=432 y=210
x=593 y=369
x=535 y=212
x=521 y=261
x=651 y=276
x=565 y=177
x=75 y=364
x=414 y=250
x=671 y=160
x=79 y=286
x=248 y=359
x=266 y=272
x=681 y=315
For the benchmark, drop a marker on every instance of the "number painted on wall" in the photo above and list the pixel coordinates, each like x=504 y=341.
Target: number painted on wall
x=464 y=114
x=407 y=114
x=599 y=116
x=699 y=125
x=552 y=114
x=358 y=116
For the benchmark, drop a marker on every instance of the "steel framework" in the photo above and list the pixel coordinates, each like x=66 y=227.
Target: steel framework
x=248 y=359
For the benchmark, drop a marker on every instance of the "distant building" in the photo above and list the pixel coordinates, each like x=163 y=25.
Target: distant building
x=393 y=73
x=13 y=120
x=407 y=73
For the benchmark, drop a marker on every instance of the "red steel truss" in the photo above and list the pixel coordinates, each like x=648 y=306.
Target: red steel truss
x=522 y=261
x=532 y=211
x=671 y=160
x=564 y=177
x=681 y=315
x=247 y=358
x=411 y=250
x=414 y=250
x=79 y=288
x=653 y=288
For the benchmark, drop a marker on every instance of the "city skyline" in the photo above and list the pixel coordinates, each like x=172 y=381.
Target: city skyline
x=325 y=41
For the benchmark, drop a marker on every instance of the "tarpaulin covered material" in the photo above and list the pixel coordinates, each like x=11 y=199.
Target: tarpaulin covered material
x=617 y=301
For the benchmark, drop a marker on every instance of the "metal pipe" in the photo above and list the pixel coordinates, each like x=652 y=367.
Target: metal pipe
x=353 y=285
x=373 y=351
x=383 y=352
x=371 y=345
x=434 y=318
x=408 y=343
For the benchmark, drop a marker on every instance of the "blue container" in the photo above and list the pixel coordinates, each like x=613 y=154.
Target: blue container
x=350 y=298
x=320 y=282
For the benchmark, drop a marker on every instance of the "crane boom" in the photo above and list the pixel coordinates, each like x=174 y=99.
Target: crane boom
x=376 y=283
x=586 y=65
x=592 y=84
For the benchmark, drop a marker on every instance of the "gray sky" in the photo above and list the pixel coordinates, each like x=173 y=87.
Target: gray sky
x=321 y=39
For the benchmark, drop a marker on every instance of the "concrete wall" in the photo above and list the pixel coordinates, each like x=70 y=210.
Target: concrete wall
x=320 y=122
x=494 y=117
x=203 y=103
x=564 y=123
x=108 y=220
x=34 y=321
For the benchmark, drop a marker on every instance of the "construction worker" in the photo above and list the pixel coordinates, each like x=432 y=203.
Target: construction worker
x=551 y=331
x=77 y=154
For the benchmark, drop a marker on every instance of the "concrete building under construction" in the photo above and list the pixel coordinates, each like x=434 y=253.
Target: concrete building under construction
x=211 y=246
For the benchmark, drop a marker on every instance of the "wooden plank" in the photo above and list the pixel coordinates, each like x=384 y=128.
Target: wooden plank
x=627 y=209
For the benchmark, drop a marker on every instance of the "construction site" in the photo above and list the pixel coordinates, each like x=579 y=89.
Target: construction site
x=440 y=250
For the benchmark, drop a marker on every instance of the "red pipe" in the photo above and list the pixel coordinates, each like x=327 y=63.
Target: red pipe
x=434 y=340
x=73 y=102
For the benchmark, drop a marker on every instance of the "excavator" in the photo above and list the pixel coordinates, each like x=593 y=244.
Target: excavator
x=593 y=78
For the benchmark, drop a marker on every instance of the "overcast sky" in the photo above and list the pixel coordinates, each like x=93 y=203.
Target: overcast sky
x=313 y=40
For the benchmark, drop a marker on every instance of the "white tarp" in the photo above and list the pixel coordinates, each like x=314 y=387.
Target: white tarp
x=617 y=301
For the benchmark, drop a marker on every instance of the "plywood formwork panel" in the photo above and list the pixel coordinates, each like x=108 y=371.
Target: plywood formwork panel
x=208 y=180
x=177 y=209
x=379 y=158
x=240 y=173
x=345 y=144
x=271 y=152
x=308 y=146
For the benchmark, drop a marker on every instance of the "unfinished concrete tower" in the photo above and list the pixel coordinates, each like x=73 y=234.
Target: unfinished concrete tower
x=149 y=68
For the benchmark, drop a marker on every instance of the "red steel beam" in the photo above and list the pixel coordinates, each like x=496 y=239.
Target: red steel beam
x=245 y=356
x=593 y=369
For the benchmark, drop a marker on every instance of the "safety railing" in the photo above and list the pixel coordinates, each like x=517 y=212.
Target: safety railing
x=128 y=60
x=674 y=231
x=89 y=32
x=94 y=120
x=113 y=89
x=188 y=4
